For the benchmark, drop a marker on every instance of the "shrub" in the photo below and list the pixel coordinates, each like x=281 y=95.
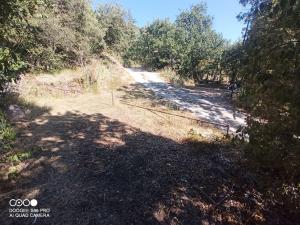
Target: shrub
x=7 y=133
x=10 y=65
x=270 y=74
x=171 y=76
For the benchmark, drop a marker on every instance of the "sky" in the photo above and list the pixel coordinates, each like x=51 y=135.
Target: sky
x=224 y=12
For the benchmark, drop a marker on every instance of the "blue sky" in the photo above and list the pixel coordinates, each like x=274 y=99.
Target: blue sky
x=224 y=12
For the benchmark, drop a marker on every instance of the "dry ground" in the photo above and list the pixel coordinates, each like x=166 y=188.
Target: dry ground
x=98 y=163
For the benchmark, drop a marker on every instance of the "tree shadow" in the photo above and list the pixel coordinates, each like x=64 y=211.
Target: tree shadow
x=95 y=170
x=31 y=110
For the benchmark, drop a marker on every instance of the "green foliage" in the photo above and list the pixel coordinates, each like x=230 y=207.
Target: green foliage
x=66 y=33
x=201 y=45
x=13 y=26
x=16 y=157
x=171 y=76
x=231 y=61
x=47 y=35
x=156 y=46
x=10 y=65
x=20 y=156
x=189 y=46
x=270 y=72
x=118 y=26
x=7 y=133
x=54 y=34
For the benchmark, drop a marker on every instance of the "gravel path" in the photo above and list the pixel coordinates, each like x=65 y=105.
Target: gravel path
x=210 y=104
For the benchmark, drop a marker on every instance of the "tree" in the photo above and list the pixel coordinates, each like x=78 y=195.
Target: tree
x=231 y=61
x=156 y=45
x=67 y=33
x=270 y=70
x=189 y=45
x=202 y=46
x=14 y=29
x=118 y=25
x=47 y=34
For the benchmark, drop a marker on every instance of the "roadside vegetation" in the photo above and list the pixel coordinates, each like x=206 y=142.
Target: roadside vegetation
x=265 y=64
x=7 y=134
x=188 y=46
x=39 y=35
x=62 y=61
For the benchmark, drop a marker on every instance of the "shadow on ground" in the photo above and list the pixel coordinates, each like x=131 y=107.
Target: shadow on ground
x=95 y=170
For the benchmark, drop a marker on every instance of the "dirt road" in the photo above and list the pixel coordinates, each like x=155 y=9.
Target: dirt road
x=210 y=104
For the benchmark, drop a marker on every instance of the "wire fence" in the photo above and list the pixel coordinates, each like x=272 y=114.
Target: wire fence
x=199 y=121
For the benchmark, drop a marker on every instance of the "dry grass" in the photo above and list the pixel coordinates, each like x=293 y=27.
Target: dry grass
x=88 y=91
x=95 y=77
x=96 y=88
x=157 y=123
x=170 y=76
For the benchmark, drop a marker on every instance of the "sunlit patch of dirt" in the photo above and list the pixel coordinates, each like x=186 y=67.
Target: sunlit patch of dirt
x=52 y=139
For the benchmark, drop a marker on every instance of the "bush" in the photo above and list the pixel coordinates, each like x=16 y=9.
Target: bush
x=7 y=133
x=171 y=76
x=10 y=65
x=269 y=69
x=189 y=45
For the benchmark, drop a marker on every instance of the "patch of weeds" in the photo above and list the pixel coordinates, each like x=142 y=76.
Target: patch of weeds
x=23 y=155
x=206 y=145
x=171 y=76
x=224 y=139
x=7 y=133
x=197 y=141
x=19 y=156
x=193 y=137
